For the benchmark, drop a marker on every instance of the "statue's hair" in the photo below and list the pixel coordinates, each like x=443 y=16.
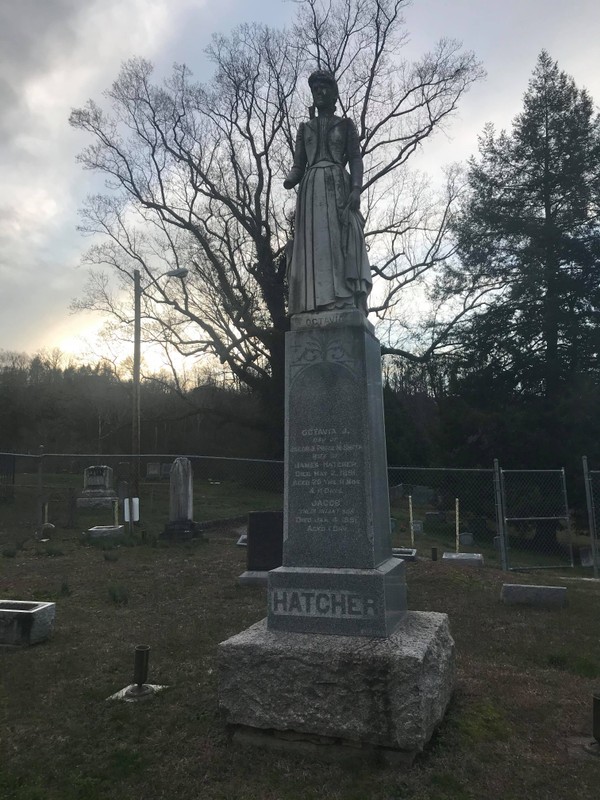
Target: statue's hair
x=323 y=76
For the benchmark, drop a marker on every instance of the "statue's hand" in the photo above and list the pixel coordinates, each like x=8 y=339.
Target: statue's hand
x=289 y=183
x=354 y=200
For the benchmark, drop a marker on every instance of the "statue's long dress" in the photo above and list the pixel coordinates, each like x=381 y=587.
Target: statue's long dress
x=329 y=267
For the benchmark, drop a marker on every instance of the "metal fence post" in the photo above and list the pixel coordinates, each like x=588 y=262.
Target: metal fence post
x=569 y=531
x=40 y=488
x=500 y=514
x=589 y=496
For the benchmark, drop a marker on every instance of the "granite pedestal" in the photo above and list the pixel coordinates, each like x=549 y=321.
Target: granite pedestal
x=388 y=692
x=338 y=574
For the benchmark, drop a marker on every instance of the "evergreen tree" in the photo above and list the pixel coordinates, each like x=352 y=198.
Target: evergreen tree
x=528 y=239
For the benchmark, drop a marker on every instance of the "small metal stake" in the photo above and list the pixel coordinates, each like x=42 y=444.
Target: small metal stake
x=434 y=553
x=140 y=673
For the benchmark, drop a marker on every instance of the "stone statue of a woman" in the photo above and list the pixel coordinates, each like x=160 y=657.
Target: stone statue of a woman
x=328 y=268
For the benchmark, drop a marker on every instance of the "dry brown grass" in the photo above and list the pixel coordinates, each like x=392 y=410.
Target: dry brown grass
x=525 y=682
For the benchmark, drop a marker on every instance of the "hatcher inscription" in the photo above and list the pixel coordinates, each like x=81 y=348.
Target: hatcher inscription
x=324 y=472
x=322 y=603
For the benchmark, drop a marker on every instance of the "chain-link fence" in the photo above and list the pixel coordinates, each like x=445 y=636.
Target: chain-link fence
x=589 y=551
x=518 y=519
x=534 y=520
x=448 y=509
x=52 y=488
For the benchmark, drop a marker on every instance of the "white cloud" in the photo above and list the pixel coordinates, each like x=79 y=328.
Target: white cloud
x=55 y=54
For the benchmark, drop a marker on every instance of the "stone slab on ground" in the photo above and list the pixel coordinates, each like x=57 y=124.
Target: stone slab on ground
x=387 y=692
x=405 y=553
x=542 y=596
x=98 y=531
x=25 y=622
x=467 y=559
x=253 y=577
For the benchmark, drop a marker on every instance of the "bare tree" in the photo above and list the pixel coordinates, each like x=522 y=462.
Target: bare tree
x=195 y=173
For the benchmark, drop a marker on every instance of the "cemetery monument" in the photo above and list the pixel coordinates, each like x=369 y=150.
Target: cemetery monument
x=181 y=523
x=338 y=657
x=98 y=489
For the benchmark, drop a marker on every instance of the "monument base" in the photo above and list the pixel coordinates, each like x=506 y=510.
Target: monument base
x=382 y=692
x=97 y=498
x=344 y=602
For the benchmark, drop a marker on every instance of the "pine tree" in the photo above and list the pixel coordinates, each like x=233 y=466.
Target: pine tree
x=529 y=239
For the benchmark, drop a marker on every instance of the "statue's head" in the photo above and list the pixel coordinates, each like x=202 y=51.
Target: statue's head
x=324 y=89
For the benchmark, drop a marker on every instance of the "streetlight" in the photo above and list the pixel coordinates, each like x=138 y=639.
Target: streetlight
x=137 y=327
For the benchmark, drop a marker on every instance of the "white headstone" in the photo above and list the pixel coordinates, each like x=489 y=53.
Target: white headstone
x=181 y=491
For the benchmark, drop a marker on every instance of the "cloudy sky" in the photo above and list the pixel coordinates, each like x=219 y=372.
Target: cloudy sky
x=56 y=54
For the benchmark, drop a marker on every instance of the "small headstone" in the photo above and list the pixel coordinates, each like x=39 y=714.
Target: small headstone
x=417 y=526
x=265 y=545
x=243 y=540
x=465 y=539
x=153 y=470
x=466 y=559
x=98 y=489
x=181 y=499
x=542 y=596
x=165 y=470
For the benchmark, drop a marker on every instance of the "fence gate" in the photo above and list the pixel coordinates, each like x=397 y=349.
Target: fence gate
x=534 y=519
x=592 y=495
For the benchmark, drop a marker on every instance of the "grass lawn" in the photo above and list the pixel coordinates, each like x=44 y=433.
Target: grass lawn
x=525 y=682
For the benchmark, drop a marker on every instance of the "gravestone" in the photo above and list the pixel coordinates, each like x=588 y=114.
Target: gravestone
x=264 y=546
x=165 y=470
x=336 y=608
x=181 y=502
x=153 y=470
x=338 y=574
x=98 y=489
x=338 y=654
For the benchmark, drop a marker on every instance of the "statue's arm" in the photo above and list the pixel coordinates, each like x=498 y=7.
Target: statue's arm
x=294 y=176
x=355 y=165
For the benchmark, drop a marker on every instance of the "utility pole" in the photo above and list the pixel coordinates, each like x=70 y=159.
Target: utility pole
x=134 y=489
